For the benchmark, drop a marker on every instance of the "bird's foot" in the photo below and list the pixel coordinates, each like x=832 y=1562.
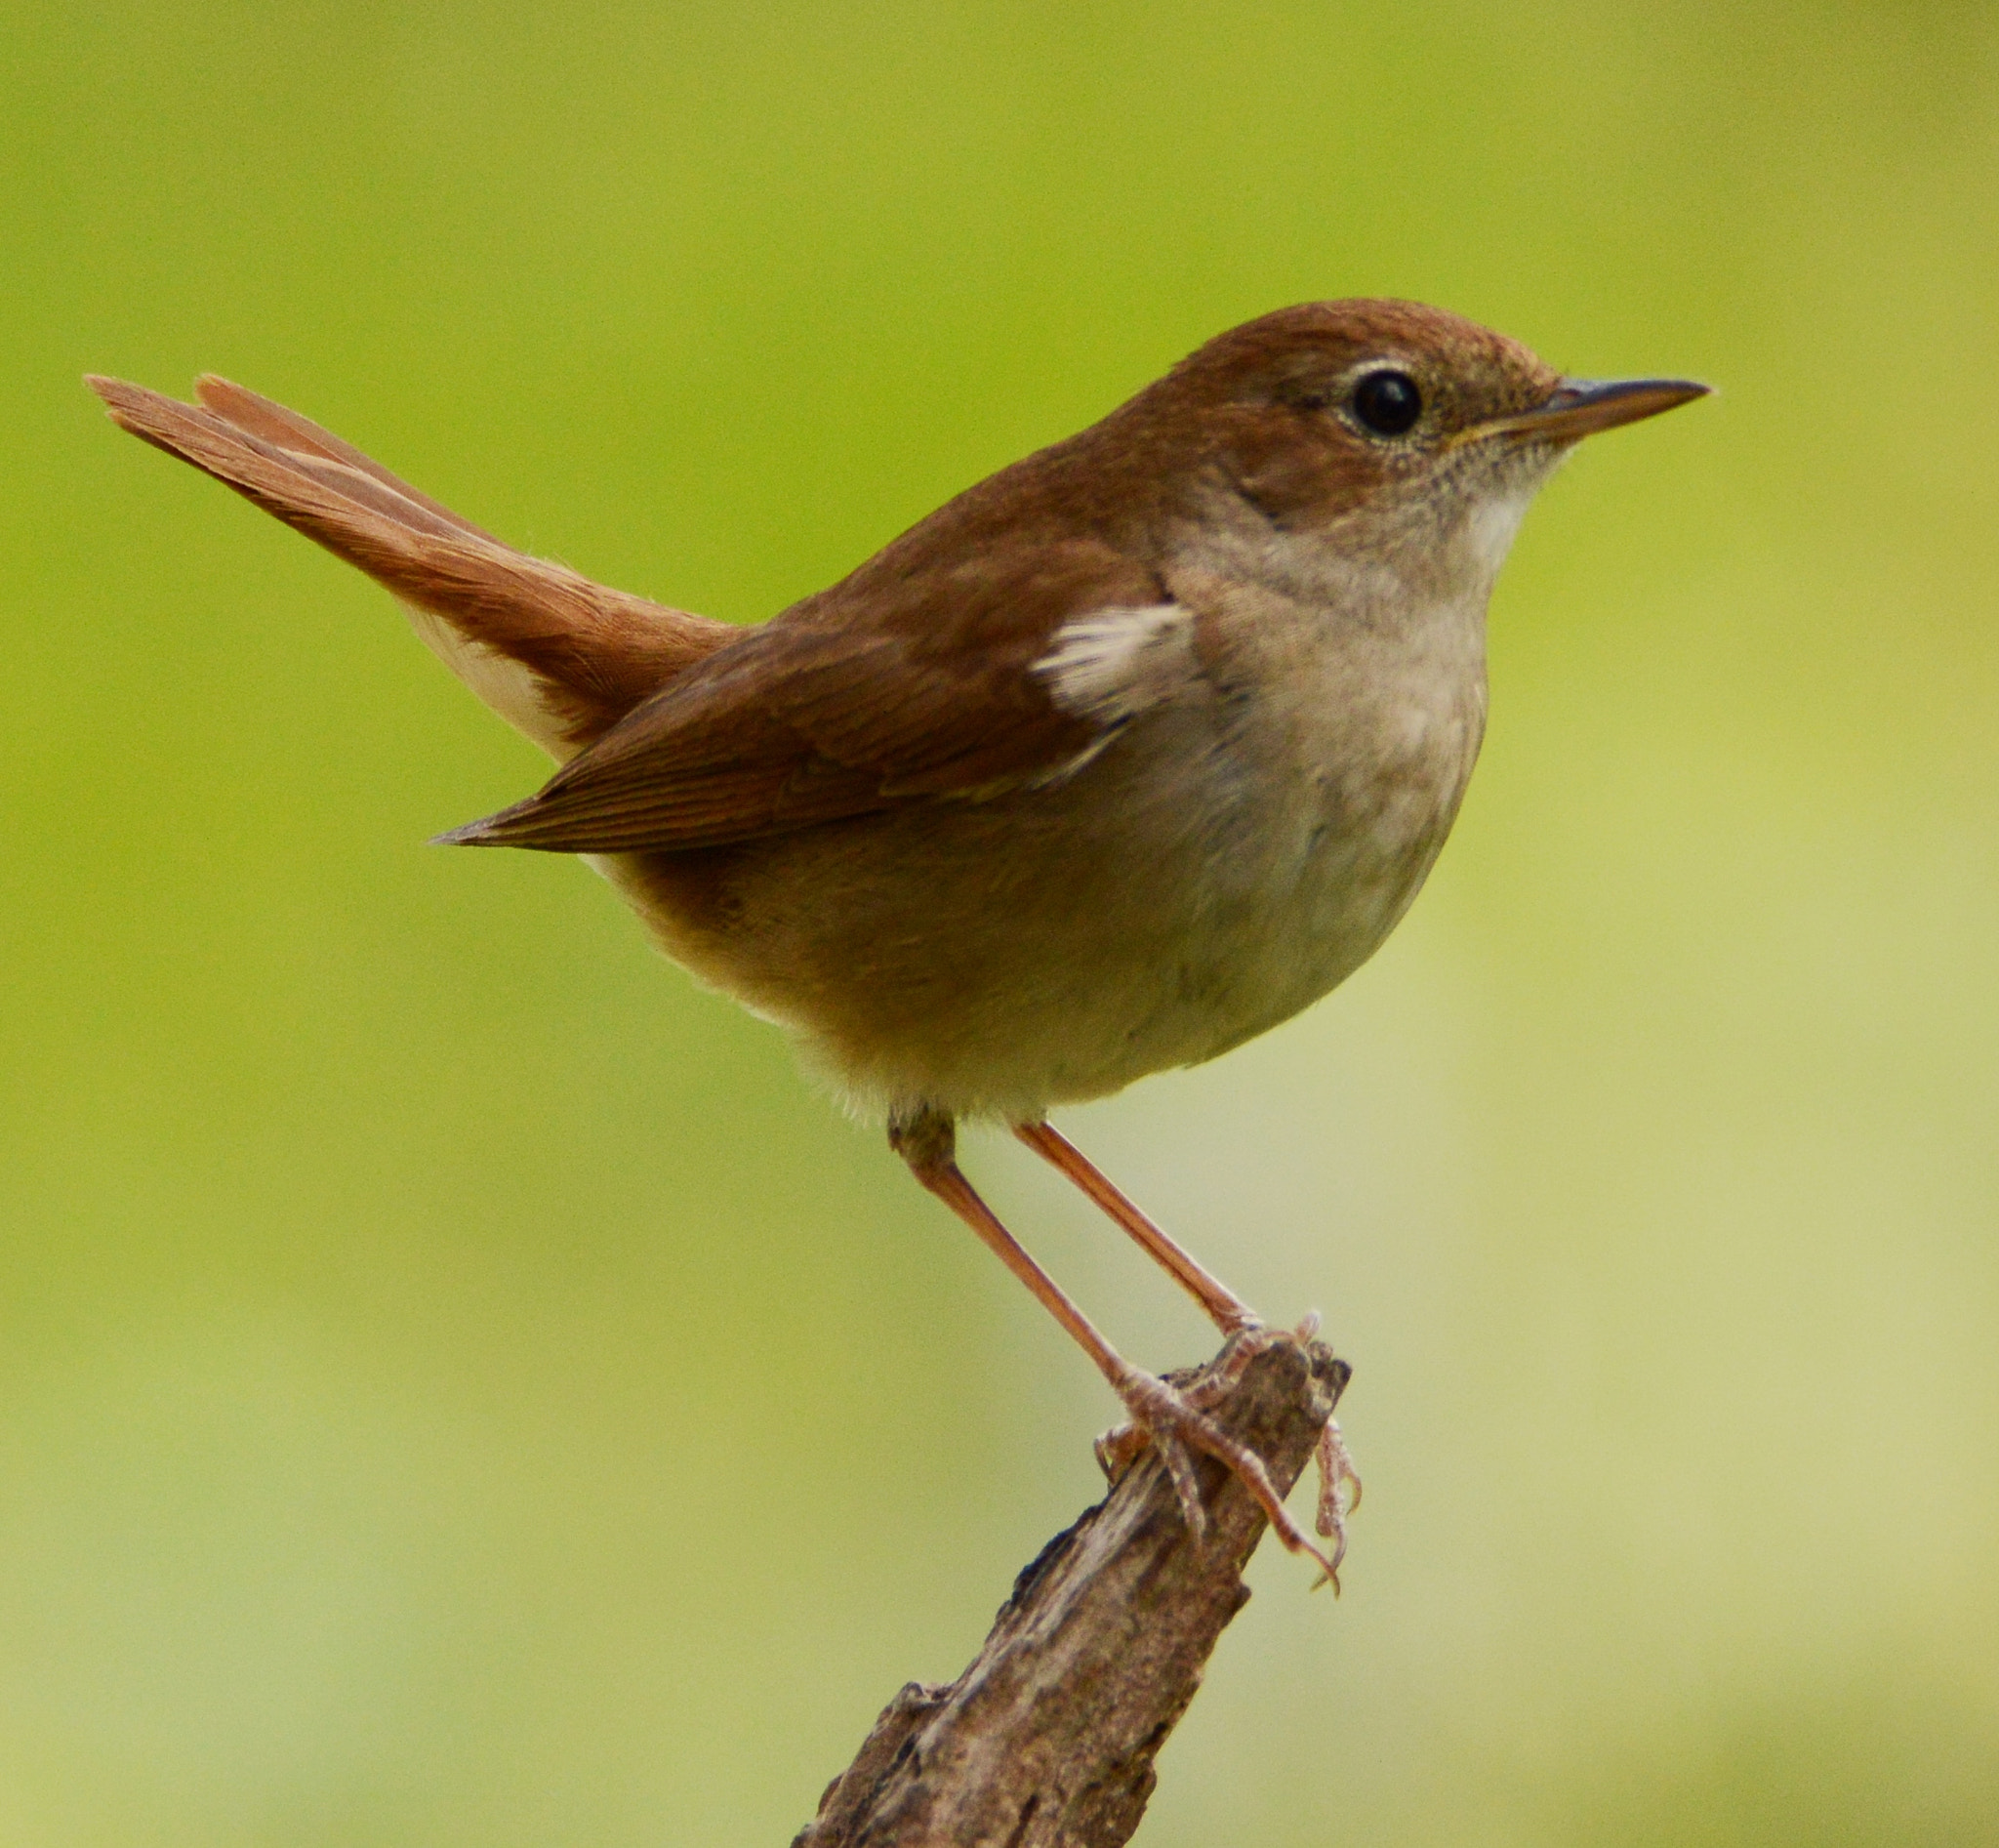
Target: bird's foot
x=1119 y=1448
x=1174 y=1420
x=1336 y=1472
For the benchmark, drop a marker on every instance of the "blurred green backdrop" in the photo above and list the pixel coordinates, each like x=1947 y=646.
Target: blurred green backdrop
x=459 y=1385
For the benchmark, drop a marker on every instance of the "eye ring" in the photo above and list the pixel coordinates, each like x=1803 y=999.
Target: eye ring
x=1386 y=402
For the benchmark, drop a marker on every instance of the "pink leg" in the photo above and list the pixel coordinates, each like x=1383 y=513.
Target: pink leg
x=1225 y=1309
x=927 y=1143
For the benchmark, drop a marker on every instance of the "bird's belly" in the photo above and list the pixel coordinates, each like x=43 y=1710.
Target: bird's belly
x=994 y=959
x=1304 y=883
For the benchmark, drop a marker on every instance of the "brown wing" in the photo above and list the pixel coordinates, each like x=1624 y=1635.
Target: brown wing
x=594 y=653
x=873 y=694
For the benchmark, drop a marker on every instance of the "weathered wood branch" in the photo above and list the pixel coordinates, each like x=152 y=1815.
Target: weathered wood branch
x=1048 y=1739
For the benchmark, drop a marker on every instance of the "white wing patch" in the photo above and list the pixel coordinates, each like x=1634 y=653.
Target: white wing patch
x=1113 y=664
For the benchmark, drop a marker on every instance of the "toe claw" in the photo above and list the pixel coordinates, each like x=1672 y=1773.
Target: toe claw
x=1335 y=1470
x=1175 y=1423
x=1186 y=1483
x=1117 y=1449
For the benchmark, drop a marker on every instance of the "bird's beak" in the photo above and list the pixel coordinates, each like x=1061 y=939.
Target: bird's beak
x=1581 y=407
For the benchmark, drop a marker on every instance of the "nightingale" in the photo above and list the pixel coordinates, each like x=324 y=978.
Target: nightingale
x=1122 y=756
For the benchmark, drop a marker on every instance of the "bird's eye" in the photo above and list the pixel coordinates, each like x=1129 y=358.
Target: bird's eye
x=1387 y=404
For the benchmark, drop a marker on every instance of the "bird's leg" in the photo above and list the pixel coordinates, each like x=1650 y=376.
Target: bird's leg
x=1117 y=1450
x=1227 y=1311
x=926 y=1141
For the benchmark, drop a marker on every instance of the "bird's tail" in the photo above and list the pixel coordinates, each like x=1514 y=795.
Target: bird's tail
x=560 y=658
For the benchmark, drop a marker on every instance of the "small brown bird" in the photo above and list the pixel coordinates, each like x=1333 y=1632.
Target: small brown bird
x=1119 y=758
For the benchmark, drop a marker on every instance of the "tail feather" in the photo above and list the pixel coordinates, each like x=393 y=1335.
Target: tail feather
x=258 y=415
x=559 y=657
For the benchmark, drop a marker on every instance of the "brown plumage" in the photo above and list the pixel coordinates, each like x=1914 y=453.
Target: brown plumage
x=804 y=720
x=913 y=678
x=1122 y=756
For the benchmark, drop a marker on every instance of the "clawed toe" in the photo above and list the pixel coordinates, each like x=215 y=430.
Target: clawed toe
x=1117 y=1449
x=1335 y=1470
x=1176 y=1424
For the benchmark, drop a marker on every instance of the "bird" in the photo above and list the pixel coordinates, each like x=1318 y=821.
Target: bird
x=1124 y=756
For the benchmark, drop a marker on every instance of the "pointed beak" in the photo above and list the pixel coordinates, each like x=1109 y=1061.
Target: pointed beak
x=1581 y=407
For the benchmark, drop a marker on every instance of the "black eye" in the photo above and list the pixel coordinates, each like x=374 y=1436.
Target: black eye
x=1387 y=404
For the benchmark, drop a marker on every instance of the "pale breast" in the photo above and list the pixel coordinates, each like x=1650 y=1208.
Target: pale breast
x=1356 y=777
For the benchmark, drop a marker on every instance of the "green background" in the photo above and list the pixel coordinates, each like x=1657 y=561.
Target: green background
x=459 y=1385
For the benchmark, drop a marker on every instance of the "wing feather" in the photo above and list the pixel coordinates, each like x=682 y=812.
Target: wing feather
x=871 y=695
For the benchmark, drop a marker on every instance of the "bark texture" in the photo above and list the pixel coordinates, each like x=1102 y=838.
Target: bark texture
x=1048 y=1739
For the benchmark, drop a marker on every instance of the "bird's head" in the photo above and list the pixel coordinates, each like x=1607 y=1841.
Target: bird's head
x=1388 y=432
